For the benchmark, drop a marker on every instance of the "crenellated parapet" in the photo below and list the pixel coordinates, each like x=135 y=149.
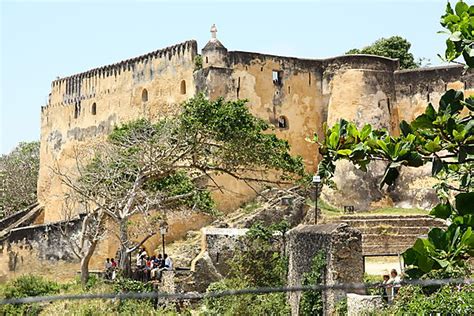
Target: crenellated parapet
x=73 y=89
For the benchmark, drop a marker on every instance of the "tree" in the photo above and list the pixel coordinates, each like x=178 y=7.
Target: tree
x=393 y=47
x=444 y=137
x=149 y=168
x=19 y=175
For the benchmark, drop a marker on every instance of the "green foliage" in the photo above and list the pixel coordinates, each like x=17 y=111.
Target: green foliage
x=393 y=47
x=261 y=264
x=411 y=300
x=197 y=62
x=19 y=176
x=459 y=26
x=179 y=183
x=25 y=286
x=125 y=285
x=245 y=305
x=341 y=307
x=312 y=301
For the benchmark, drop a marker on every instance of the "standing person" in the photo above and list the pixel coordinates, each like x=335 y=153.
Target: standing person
x=385 y=277
x=393 y=285
x=113 y=264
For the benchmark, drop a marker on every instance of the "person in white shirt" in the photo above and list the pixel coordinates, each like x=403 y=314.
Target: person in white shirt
x=393 y=285
x=167 y=265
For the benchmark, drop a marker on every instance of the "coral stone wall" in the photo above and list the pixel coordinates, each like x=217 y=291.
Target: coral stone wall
x=85 y=107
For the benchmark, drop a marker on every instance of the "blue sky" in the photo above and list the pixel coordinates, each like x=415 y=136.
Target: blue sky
x=41 y=40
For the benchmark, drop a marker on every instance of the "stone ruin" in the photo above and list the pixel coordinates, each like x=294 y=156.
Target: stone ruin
x=341 y=244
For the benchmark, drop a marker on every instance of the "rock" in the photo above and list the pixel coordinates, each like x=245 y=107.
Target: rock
x=363 y=304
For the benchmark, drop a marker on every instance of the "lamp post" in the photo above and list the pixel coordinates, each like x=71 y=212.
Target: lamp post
x=316 y=182
x=163 y=232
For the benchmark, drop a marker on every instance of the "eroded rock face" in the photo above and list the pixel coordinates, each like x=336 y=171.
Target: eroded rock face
x=412 y=189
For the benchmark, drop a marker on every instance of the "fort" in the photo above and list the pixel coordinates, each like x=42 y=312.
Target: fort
x=296 y=95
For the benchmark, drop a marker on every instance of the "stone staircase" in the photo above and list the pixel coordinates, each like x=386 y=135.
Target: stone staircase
x=390 y=234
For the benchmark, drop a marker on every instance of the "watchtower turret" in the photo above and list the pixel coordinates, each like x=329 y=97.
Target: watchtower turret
x=214 y=54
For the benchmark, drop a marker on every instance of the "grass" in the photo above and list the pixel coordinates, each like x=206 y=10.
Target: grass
x=331 y=211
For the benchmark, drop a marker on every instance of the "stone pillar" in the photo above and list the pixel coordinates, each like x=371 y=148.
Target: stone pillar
x=342 y=245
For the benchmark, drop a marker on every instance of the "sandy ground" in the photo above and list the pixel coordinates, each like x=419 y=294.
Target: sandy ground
x=381 y=265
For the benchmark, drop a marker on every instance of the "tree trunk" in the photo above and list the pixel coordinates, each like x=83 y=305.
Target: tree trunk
x=85 y=263
x=124 y=260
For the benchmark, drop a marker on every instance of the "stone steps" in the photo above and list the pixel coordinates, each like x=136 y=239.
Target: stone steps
x=390 y=234
x=405 y=222
x=394 y=230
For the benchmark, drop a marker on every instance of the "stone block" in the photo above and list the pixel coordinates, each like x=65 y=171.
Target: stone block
x=363 y=304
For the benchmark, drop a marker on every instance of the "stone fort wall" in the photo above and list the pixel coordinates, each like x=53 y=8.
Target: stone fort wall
x=296 y=95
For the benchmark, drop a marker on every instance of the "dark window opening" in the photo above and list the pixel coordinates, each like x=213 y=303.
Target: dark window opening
x=261 y=68
x=388 y=107
x=145 y=95
x=94 y=109
x=282 y=122
x=238 y=87
x=289 y=90
x=445 y=87
x=207 y=60
x=428 y=97
x=277 y=77
x=183 y=87
x=77 y=110
x=309 y=78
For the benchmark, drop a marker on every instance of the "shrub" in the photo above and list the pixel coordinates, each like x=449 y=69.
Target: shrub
x=265 y=304
x=449 y=300
x=311 y=301
x=26 y=286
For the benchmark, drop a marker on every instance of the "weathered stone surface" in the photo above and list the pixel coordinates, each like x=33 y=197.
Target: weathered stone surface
x=343 y=248
x=204 y=272
x=363 y=304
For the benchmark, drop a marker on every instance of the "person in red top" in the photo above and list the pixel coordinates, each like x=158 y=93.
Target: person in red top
x=113 y=264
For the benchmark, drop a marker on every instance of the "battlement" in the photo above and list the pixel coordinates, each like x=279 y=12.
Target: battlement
x=128 y=64
x=83 y=85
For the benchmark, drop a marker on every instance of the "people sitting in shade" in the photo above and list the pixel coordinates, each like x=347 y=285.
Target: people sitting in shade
x=156 y=266
x=167 y=265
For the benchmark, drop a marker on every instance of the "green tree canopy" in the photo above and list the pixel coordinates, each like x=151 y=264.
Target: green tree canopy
x=172 y=164
x=393 y=47
x=18 y=177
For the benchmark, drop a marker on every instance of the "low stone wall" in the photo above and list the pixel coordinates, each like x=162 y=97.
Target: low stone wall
x=363 y=304
x=342 y=245
x=40 y=249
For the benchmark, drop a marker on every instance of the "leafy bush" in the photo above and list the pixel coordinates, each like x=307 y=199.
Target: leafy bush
x=449 y=300
x=312 y=301
x=265 y=304
x=26 y=286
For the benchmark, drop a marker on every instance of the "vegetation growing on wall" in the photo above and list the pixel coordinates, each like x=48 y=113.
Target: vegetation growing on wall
x=18 y=177
x=312 y=301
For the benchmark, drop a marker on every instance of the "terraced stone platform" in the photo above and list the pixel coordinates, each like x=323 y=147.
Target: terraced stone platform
x=390 y=234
